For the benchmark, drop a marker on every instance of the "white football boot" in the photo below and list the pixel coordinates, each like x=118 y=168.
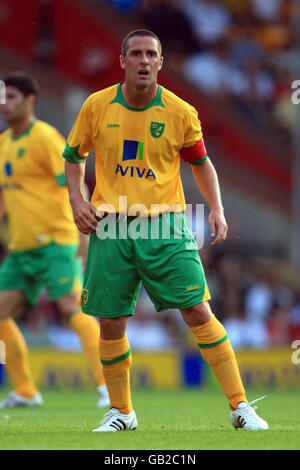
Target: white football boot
x=114 y=421
x=16 y=401
x=245 y=417
x=103 y=401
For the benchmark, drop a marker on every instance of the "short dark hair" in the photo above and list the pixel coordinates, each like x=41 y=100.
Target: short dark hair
x=24 y=82
x=140 y=33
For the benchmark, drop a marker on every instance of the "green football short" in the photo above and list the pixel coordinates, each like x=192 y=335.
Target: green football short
x=54 y=267
x=168 y=265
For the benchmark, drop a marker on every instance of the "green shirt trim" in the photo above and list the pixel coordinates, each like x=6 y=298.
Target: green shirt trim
x=199 y=162
x=212 y=345
x=26 y=132
x=61 y=179
x=155 y=102
x=72 y=154
x=116 y=359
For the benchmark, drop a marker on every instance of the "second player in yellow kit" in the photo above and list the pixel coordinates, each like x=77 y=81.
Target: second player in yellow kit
x=43 y=237
x=33 y=186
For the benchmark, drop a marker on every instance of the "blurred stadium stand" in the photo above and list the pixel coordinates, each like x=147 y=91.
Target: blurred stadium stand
x=236 y=70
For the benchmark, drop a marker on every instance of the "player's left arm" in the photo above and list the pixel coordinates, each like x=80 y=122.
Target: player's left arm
x=207 y=181
x=204 y=173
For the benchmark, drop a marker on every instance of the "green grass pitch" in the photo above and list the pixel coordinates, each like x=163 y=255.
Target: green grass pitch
x=168 y=420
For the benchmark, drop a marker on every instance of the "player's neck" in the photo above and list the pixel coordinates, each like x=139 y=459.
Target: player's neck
x=20 y=126
x=138 y=98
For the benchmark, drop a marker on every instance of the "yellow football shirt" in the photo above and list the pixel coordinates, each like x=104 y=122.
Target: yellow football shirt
x=32 y=181
x=137 y=150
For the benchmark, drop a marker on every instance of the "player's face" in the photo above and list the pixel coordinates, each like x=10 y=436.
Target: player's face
x=16 y=106
x=142 y=62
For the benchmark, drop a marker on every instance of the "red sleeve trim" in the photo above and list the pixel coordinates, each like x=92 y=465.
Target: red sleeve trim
x=191 y=154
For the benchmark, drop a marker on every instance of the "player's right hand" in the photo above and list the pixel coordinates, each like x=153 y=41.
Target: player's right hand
x=85 y=216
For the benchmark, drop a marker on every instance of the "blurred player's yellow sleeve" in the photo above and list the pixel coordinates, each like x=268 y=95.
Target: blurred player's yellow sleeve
x=79 y=142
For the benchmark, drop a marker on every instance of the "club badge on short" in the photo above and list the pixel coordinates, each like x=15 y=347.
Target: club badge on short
x=84 y=296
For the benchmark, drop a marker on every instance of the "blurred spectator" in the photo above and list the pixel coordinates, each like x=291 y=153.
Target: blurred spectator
x=244 y=334
x=45 y=40
x=268 y=308
x=94 y=59
x=284 y=111
x=232 y=286
x=215 y=73
x=209 y=19
x=254 y=309
x=279 y=325
x=63 y=338
x=151 y=330
x=295 y=322
x=169 y=22
x=263 y=294
x=266 y=10
x=124 y=6
x=242 y=42
x=35 y=327
x=260 y=85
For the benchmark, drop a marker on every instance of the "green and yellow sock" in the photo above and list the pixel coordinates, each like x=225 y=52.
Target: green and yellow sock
x=17 y=361
x=216 y=350
x=88 y=330
x=115 y=356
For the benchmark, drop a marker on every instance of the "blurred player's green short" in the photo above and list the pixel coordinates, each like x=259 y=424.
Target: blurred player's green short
x=54 y=267
x=168 y=265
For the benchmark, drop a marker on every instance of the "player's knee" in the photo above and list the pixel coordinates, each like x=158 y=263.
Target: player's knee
x=67 y=305
x=4 y=314
x=113 y=328
x=11 y=304
x=197 y=315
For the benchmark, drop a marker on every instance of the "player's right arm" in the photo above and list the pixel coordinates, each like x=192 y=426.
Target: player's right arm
x=82 y=251
x=79 y=144
x=83 y=211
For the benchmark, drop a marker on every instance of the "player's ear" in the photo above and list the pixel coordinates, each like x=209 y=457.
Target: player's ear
x=161 y=63
x=122 y=62
x=32 y=99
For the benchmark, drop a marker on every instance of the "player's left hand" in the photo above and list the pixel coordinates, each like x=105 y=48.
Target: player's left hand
x=218 y=226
